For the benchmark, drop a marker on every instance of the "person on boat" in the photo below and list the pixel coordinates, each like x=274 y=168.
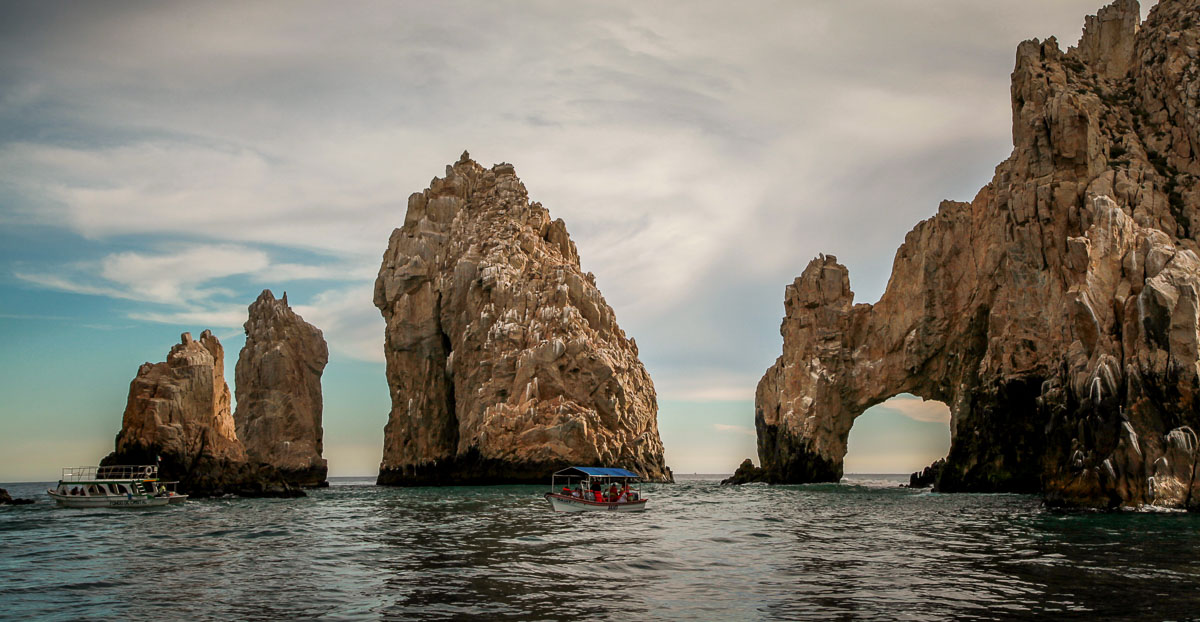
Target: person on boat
x=566 y=490
x=613 y=493
x=577 y=493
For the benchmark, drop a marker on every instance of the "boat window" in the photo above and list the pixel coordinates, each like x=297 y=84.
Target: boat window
x=122 y=490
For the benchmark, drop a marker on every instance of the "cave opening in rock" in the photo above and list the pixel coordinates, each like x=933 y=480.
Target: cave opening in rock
x=903 y=435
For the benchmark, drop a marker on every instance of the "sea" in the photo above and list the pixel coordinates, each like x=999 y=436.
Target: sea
x=863 y=549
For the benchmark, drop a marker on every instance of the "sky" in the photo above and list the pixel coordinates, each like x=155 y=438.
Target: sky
x=162 y=163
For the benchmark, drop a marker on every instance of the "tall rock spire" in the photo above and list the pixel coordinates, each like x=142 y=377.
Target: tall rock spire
x=504 y=361
x=278 y=380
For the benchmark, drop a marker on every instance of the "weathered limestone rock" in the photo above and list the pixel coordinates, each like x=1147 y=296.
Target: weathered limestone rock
x=1056 y=313
x=178 y=410
x=278 y=380
x=504 y=361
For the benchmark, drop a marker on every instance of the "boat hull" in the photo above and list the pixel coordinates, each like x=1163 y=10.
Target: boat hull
x=563 y=503
x=108 y=501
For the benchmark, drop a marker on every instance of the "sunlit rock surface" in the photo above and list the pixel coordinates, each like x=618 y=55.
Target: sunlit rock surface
x=503 y=359
x=278 y=388
x=1056 y=313
x=177 y=415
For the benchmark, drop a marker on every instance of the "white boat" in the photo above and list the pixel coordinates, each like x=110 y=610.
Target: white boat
x=595 y=489
x=111 y=487
x=167 y=489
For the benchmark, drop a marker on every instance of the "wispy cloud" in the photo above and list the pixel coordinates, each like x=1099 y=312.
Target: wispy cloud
x=700 y=154
x=349 y=320
x=734 y=429
x=915 y=408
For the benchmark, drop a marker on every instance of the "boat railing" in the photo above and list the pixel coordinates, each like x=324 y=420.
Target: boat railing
x=122 y=471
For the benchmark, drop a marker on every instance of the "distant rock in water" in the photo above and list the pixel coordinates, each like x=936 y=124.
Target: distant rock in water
x=278 y=386
x=178 y=410
x=504 y=361
x=6 y=499
x=927 y=477
x=746 y=473
x=1056 y=314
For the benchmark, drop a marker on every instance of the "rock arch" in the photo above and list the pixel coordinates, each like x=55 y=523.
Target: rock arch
x=1056 y=314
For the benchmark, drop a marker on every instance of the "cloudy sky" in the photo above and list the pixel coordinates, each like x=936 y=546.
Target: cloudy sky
x=162 y=163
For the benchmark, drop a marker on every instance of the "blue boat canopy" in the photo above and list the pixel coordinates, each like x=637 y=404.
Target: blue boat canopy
x=597 y=472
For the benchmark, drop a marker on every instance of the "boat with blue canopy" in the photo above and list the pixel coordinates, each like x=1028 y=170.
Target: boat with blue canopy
x=595 y=489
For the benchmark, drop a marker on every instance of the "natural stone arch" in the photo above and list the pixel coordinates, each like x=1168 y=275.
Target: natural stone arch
x=903 y=434
x=841 y=359
x=1057 y=313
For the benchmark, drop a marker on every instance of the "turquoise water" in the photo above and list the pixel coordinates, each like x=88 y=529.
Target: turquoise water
x=864 y=549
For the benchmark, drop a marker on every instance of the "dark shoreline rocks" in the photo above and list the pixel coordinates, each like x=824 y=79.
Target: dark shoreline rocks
x=927 y=477
x=6 y=499
x=746 y=473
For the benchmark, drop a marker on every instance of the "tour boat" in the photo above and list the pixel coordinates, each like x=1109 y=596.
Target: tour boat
x=112 y=487
x=587 y=489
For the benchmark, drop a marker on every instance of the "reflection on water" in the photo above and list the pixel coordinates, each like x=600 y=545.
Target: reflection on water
x=864 y=549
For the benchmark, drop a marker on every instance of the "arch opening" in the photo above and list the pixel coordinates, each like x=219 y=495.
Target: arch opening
x=899 y=436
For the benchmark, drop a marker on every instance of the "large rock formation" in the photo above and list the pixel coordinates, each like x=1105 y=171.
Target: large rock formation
x=503 y=359
x=1056 y=314
x=178 y=416
x=278 y=380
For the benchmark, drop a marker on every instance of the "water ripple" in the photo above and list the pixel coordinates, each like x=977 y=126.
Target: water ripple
x=353 y=551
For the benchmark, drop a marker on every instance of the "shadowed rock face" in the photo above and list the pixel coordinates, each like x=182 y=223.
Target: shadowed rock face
x=178 y=410
x=503 y=359
x=1056 y=314
x=278 y=380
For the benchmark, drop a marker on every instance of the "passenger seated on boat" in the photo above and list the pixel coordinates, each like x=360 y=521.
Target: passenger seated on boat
x=577 y=493
x=612 y=493
x=599 y=496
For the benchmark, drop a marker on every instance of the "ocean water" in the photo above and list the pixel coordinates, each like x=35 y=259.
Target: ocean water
x=864 y=549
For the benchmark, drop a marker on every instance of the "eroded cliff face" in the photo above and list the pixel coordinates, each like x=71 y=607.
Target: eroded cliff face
x=503 y=359
x=178 y=411
x=278 y=380
x=1056 y=313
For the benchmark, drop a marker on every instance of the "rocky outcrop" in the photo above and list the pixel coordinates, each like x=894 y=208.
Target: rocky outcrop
x=7 y=499
x=1056 y=313
x=278 y=380
x=746 y=473
x=178 y=415
x=503 y=359
x=928 y=476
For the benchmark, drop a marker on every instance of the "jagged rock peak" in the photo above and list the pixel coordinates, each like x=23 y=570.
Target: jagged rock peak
x=504 y=361
x=1108 y=39
x=177 y=415
x=1055 y=314
x=278 y=380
